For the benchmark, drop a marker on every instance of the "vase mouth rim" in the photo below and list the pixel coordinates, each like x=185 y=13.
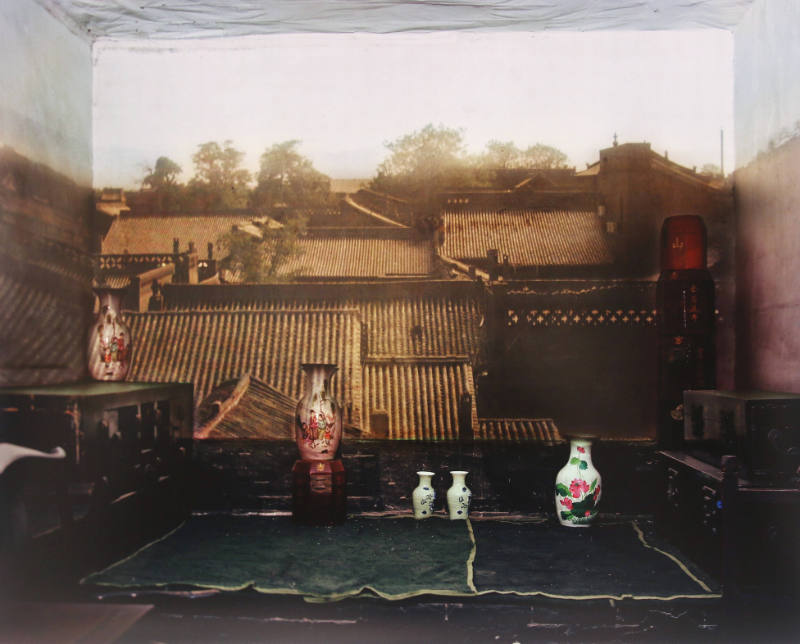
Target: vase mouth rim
x=586 y=438
x=112 y=290
x=459 y=472
x=423 y=473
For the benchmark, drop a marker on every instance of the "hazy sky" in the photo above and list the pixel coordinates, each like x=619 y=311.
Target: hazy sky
x=345 y=95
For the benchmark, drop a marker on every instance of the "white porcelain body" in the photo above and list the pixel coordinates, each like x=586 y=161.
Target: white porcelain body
x=458 y=496
x=578 y=487
x=109 y=347
x=423 y=496
x=318 y=417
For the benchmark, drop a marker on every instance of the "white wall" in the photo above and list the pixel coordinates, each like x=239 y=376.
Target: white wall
x=767 y=77
x=767 y=117
x=45 y=90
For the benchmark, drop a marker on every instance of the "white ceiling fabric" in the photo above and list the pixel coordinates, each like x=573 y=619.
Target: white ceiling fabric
x=170 y=19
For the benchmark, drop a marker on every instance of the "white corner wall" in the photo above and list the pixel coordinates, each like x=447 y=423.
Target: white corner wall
x=767 y=118
x=46 y=97
x=766 y=78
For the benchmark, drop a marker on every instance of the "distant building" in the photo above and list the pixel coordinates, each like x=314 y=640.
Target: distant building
x=487 y=329
x=615 y=206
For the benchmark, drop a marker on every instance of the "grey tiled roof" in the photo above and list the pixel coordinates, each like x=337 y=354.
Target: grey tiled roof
x=143 y=235
x=246 y=408
x=420 y=397
x=528 y=237
x=209 y=348
x=43 y=328
x=354 y=257
x=428 y=325
x=542 y=430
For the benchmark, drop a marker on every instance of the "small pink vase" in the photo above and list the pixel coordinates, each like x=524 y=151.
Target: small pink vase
x=318 y=417
x=109 y=343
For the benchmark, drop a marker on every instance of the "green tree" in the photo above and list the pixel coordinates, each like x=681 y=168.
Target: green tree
x=162 y=179
x=219 y=183
x=259 y=257
x=503 y=164
x=500 y=154
x=542 y=157
x=288 y=180
x=421 y=165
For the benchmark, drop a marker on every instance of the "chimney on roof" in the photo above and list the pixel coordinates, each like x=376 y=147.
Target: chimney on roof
x=176 y=246
x=493 y=255
x=465 y=429
x=210 y=251
x=156 y=302
x=379 y=424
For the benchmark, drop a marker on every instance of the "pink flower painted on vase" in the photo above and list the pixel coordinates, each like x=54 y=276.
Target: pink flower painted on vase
x=578 y=487
x=582 y=450
x=567 y=503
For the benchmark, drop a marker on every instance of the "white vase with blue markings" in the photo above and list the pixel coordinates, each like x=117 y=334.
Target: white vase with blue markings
x=423 y=496
x=459 y=495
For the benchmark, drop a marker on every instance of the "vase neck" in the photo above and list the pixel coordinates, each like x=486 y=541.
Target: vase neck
x=318 y=376
x=458 y=477
x=581 y=448
x=425 y=477
x=109 y=300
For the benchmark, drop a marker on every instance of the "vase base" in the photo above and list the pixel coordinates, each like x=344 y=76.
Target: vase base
x=319 y=495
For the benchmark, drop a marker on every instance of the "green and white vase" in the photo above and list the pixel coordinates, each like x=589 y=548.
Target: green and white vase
x=423 y=496
x=458 y=496
x=578 y=486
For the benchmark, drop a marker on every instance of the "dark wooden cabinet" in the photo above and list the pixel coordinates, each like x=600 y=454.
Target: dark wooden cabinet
x=127 y=445
x=744 y=534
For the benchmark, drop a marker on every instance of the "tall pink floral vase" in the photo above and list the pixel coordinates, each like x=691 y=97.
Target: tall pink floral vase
x=109 y=347
x=318 y=417
x=578 y=486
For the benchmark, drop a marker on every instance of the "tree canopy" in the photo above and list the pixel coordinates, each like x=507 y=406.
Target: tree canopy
x=288 y=180
x=259 y=258
x=422 y=164
x=162 y=179
x=219 y=183
x=162 y=174
x=426 y=162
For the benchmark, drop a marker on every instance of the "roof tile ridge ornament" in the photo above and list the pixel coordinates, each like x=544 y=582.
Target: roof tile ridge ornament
x=350 y=202
x=225 y=406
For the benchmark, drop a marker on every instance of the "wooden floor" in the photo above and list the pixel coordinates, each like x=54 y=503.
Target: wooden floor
x=68 y=622
x=249 y=617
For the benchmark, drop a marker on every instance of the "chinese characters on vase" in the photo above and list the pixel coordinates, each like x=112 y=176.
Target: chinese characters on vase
x=109 y=348
x=423 y=496
x=458 y=496
x=578 y=486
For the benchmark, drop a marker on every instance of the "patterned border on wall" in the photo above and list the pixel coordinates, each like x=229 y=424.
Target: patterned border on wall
x=582 y=318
